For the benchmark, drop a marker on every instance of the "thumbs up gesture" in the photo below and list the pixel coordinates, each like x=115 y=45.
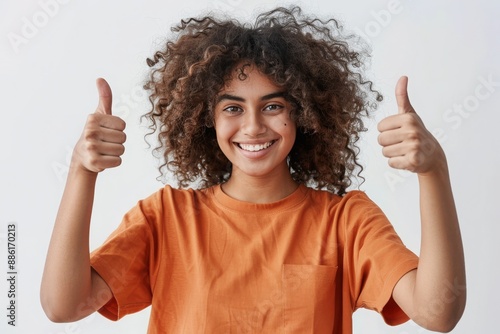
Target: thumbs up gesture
x=405 y=140
x=101 y=143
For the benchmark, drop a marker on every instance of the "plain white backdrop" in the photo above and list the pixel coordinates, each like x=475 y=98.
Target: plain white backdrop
x=51 y=52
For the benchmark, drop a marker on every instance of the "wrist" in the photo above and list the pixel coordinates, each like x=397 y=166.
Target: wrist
x=438 y=166
x=79 y=171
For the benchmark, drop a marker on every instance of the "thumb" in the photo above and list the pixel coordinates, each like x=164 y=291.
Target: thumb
x=105 y=97
x=402 y=99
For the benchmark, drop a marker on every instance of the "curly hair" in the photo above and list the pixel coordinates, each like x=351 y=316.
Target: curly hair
x=310 y=58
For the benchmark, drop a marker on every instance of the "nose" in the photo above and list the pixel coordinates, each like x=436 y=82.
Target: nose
x=253 y=124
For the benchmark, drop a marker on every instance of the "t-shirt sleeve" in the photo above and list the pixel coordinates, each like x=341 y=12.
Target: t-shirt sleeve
x=377 y=258
x=124 y=262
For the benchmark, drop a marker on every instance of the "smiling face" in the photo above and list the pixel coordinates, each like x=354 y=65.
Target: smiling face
x=253 y=125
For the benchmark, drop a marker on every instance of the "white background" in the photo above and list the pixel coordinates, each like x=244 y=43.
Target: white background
x=47 y=88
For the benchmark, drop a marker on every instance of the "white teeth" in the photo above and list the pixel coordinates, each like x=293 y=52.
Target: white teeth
x=255 y=148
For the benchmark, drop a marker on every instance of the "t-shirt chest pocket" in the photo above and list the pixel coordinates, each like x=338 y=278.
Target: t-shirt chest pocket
x=309 y=298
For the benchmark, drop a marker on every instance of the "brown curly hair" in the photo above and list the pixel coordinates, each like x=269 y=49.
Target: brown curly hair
x=311 y=58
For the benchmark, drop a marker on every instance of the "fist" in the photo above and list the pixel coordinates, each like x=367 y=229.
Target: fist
x=101 y=143
x=404 y=139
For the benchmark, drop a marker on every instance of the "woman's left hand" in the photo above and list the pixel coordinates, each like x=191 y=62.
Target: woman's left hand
x=406 y=141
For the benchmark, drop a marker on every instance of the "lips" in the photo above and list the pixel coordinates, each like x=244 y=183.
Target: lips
x=255 y=147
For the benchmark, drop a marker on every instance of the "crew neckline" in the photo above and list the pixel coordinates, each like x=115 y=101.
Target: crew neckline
x=228 y=202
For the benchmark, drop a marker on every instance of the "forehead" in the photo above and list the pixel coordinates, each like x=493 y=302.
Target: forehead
x=247 y=78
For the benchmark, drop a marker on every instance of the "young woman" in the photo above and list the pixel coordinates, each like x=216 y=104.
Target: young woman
x=263 y=121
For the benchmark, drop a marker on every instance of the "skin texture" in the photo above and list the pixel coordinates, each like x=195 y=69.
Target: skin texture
x=433 y=295
x=70 y=289
x=251 y=112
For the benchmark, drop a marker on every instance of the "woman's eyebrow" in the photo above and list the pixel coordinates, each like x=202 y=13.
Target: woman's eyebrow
x=229 y=97
x=240 y=99
x=272 y=96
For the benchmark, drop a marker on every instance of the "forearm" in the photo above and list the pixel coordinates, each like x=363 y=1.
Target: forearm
x=67 y=281
x=439 y=293
x=70 y=289
x=434 y=294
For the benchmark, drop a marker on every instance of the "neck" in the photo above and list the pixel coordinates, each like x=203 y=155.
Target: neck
x=256 y=189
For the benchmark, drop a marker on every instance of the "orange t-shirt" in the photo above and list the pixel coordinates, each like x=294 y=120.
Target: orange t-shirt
x=208 y=263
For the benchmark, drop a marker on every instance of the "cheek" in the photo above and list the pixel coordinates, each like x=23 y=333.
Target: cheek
x=223 y=131
x=284 y=125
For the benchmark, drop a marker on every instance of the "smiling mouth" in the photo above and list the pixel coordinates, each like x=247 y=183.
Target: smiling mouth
x=255 y=148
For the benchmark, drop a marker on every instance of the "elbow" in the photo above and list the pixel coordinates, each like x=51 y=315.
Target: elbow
x=58 y=315
x=446 y=319
x=443 y=326
x=55 y=310
x=451 y=322
x=52 y=313
x=440 y=325
x=454 y=315
x=53 y=316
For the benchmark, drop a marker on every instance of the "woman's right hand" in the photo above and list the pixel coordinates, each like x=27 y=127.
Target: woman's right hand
x=101 y=143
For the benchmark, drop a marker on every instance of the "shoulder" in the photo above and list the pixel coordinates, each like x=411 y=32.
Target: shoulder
x=170 y=194
x=357 y=200
x=352 y=199
x=170 y=200
x=352 y=210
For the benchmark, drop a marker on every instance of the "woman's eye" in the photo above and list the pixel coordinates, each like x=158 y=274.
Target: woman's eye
x=232 y=109
x=273 y=107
